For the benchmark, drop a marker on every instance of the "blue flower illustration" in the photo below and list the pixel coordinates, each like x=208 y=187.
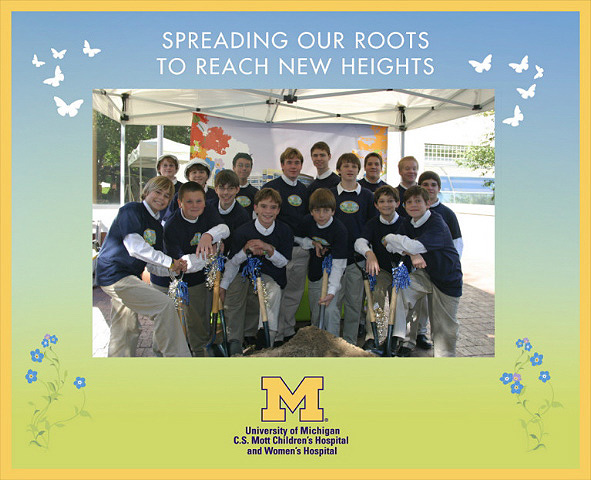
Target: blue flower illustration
x=53 y=339
x=506 y=378
x=36 y=355
x=536 y=359
x=516 y=377
x=544 y=376
x=44 y=342
x=516 y=388
x=519 y=343
x=528 y=346
x=80 y=382
x=31 y=376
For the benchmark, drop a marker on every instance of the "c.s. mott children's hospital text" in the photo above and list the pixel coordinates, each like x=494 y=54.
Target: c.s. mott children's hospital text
x=299 y=440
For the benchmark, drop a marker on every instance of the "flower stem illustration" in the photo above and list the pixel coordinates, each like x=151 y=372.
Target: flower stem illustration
x=54 y=380
x=533 y=423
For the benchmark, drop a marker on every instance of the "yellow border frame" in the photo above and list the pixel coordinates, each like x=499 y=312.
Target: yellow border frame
x=581 y=6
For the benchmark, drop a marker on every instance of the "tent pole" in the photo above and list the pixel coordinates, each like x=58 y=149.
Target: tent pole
x=159 y=140
x=402 y=143
x=122 y=167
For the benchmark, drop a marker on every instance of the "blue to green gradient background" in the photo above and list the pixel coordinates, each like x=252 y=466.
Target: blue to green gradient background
x=404 y=413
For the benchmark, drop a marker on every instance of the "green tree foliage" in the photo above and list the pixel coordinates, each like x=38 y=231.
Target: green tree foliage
x=482 y=157
x=108 y=153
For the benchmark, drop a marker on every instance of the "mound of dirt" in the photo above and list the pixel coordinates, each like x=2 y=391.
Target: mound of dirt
x=313 y=342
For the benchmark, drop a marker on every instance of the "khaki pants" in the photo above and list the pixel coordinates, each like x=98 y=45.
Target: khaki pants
x=442 y=313
x=332 y=317
x=296 y=271
x=350 y=295
x=241 y=308
x=130 y=297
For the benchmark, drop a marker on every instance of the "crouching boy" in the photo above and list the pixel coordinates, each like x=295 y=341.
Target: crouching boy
x=269 y=240
x=324 y=235
x=438 y=275
x=371 y=245
x=134 y=240
x=190 y=233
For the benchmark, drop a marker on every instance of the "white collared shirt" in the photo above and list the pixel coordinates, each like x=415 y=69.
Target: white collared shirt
x=386 y=222
x=324 y=175
x=422 y=220
x=156 y=215
x=228 y=210
x=292 y=183
x=340 y=189
x=262 y=230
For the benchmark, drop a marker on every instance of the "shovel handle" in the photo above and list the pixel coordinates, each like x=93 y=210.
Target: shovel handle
x=215 y=306
x=261 y=296
x=369 y=296
x=393 y=298
x=324 y=289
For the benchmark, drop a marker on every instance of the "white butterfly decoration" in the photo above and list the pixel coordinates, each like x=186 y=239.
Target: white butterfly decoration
x=56 y=79
x=59 y=55
x=64 y=109
x=482 y=66
x=540 y=73
x=516 y=118
x=529 y=93
x=520 y=67
x=91 y=52
x=36 y=61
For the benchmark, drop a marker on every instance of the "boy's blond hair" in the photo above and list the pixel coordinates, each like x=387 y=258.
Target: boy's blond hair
x=158 y=183
x=267 y=193
x=348 y=158
x=290 y=152
x=408 y=158
x=322 y=198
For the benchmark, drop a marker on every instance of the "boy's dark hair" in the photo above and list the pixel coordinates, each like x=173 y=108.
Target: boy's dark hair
x=429 y=175
x=373 y=154
x=228 y=178
x=189 y=187
x=320 y=146
x=290 y=152
x=240 y=155
x=322 y=198
x=348 y=158
x=267 y=193
x=408 y=158
x=416 y=191
x=158 y=183
x=388 y=191
x=197 y=166
x=167 y=156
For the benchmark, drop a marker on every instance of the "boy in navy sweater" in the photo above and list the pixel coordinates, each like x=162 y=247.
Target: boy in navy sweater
x=438 y=275
x=408 y=168
x=354 y=208
x=242 y=166
x=190 y=233
x=294 y=208
x=373 y=165
x=269 y=239
x=371 y=245
x=241 y=303
x=326 y=178
x=167 y=165
x=323 y=234
x=134 y=240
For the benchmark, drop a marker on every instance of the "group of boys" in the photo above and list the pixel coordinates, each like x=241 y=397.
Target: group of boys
x=292 y=229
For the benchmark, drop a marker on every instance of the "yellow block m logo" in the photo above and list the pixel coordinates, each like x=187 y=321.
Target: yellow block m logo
x=308 y=392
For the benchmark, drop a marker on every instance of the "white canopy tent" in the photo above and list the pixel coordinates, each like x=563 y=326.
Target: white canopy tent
x=146 y=153
x=398 y=109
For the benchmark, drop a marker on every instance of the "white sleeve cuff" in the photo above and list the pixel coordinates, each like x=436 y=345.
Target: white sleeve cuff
x=277 y=259
x=219 y=232
x=307 y=243
x=459 y=244
x=336 y=272
x=138 y=248
x=401 y=243
x=361 y=246
x=194 y=263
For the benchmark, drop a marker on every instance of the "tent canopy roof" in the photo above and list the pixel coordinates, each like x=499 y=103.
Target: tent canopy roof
x=145 y=153
x=395 y=108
